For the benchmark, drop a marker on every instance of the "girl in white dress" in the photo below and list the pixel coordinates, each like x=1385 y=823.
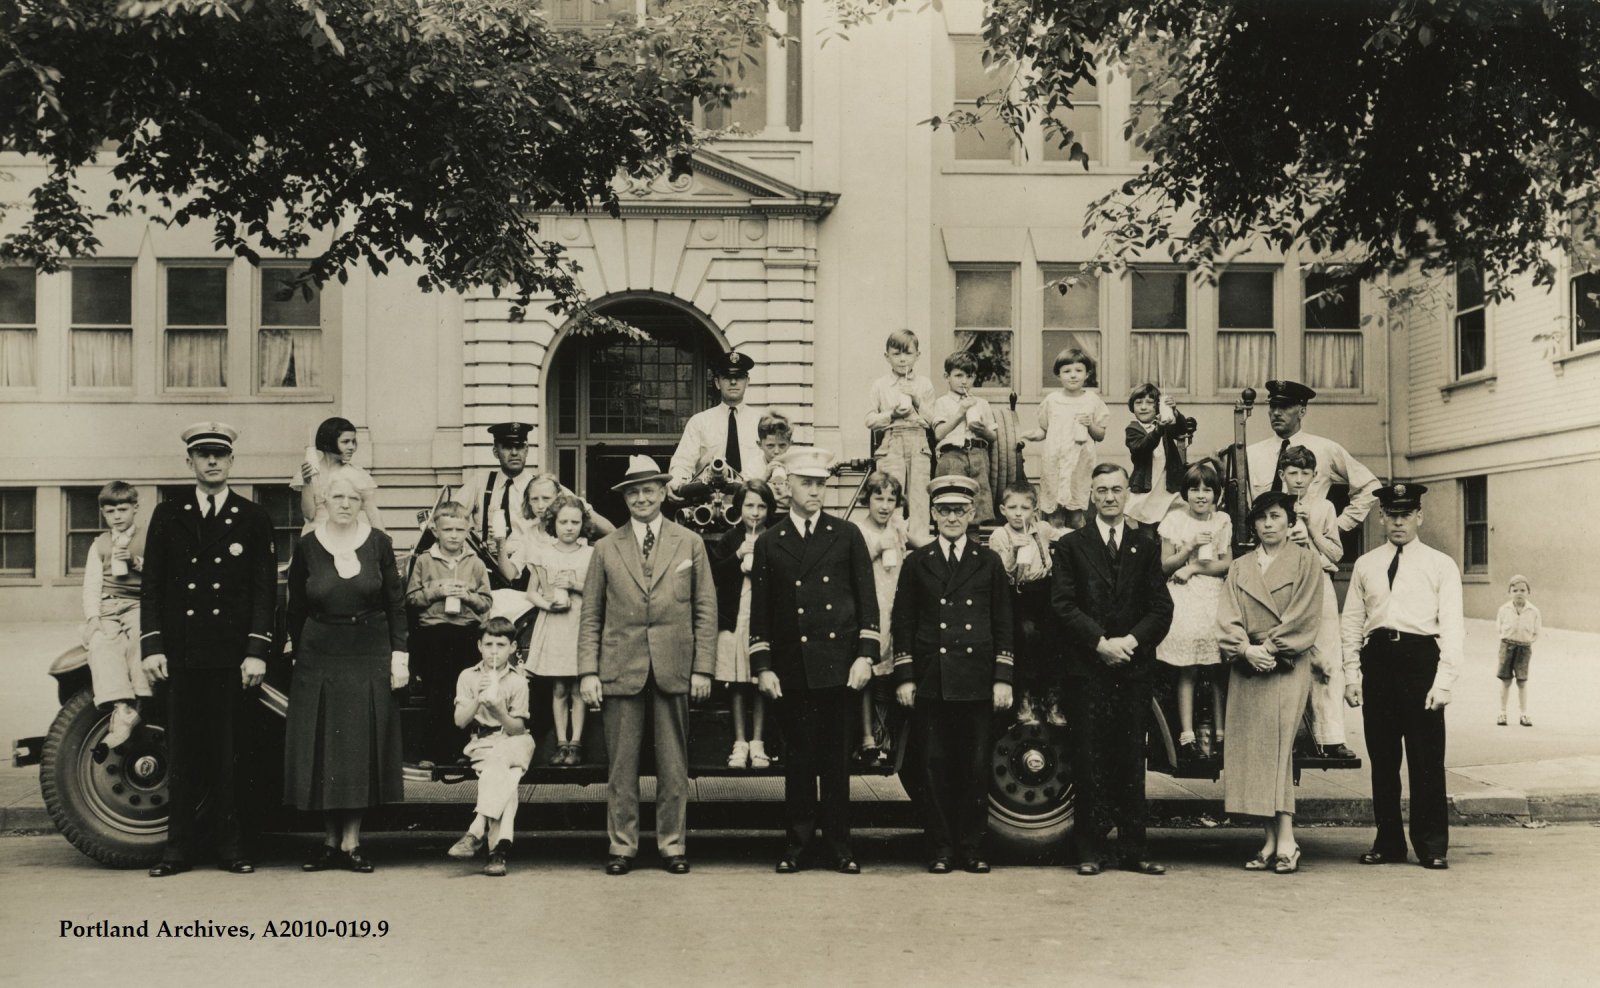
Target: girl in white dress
x=885 y=533
x=331 y=454
x=1196 y=547
x=1071 y=421
x=555 y=584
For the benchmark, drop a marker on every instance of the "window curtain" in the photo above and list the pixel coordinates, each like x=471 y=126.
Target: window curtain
x=992 y=349
x=102 y=358
x=1244 y=359
x=290 y=358
x=1161 y=359
x=197 y=358
x=17 y=358
x=1333 y=360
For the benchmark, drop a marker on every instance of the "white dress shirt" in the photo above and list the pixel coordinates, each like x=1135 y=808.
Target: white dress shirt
x=959 y=546
x=471 y=495
x=1106 y=531
x=1425 y=600
x=1334 y=466
x=1521 y=627
x=641 y=527
x=200 y=499
x=705 y=438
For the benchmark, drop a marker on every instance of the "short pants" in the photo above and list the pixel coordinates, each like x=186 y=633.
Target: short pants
x=1514 y=658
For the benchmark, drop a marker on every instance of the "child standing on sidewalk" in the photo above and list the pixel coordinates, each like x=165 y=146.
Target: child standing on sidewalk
x=1520 y=625
x=902 y=406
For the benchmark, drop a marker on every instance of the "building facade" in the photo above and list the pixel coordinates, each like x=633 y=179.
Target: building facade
x=832 y=217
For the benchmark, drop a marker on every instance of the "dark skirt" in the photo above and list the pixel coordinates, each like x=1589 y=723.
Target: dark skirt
x=342 y=742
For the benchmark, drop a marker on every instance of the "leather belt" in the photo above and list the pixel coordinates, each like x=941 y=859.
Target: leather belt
x=345 y=618
x=1391 y=635
x=969 y=444
x=485 y=730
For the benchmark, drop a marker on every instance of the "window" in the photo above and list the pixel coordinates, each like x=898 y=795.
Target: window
x=102 y=326
x=1246 y=341
x=289 y=352
x=197 y=327
x=985 y=322
x=1083 y=120
x=1471 y=332
x=1071 y=319
x=1585 y=312
x=16 y=531
x=748 y=111
x=1150 y=90
x=19 y=329
x=1475 y=524
x=1158 y=347
x=283 y=507
x=588 y=13
x=1333 y=331
x=84 y=524
x=988 y=139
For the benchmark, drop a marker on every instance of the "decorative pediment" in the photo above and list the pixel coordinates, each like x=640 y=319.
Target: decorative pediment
x=720 y=186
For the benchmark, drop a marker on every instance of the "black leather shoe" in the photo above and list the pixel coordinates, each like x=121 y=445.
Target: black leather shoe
x=327 y=859
x=1188 y=753
x=977 y=866
x=677 y=864
x=939 y=866
x=848 y=866
x=1435 y=864
x=166 y=869
x=787 y=866
x=495 y=867
x=1144 y=867
x=1089 y=868
x=1339 y=751
x=618 y=864
x=357 y=862
x=1377 y=857
x=239 y=866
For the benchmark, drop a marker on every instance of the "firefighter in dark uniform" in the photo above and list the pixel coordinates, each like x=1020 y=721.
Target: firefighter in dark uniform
x=206 y=609
x=953 y=664
x=813 y=638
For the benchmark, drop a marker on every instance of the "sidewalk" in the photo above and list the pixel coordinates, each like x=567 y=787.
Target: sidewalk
x=1546 y=773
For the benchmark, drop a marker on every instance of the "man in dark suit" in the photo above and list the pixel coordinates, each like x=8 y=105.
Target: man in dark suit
x=1111 y=596
x=813 y=637
x=206 y=609
x=952 y=665
x=647 y=642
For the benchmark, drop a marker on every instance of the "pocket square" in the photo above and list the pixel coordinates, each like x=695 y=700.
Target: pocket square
x=684 y=565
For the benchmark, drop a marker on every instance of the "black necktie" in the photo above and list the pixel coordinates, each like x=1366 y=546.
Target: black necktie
x=1277 y=468
x=649 y=541
x=210 y=512
x=805 y=529
x=1394 y=564
x=731 y=454
x=952 y=555
x=1111 y=547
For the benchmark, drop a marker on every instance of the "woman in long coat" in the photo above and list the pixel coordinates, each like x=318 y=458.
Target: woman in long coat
x=347 y=621
x=1267 y=619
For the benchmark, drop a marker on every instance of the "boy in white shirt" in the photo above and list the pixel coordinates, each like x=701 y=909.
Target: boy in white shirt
x=492 y=705
x=1519 y=624
x=111 y=583
x=902 y=406
x=963 y=429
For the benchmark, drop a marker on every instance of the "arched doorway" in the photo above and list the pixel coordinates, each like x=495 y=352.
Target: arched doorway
x=611 y=397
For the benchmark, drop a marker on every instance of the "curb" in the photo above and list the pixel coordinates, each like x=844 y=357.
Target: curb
x=25 y=819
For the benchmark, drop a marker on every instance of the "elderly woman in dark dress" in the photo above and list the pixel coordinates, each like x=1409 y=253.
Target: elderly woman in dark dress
x=1267 y=619
x=347 y=621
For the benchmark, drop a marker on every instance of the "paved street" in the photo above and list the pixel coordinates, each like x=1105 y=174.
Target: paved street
x=1517 y=907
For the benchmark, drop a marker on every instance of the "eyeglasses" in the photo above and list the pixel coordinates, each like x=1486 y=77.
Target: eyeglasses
x=949 y=510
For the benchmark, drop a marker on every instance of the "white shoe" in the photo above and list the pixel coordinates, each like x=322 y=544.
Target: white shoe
x=740 y=756
x=124 y=718
x=758 y=755
x=1025 y=713
x=467 y=847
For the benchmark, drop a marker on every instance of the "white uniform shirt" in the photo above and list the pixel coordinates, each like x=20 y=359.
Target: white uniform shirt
x=1425 y=600
x=1334 y=466
x=471 y=495
x=706 y=439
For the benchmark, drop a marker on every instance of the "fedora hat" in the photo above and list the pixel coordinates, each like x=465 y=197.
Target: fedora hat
x=641 y=470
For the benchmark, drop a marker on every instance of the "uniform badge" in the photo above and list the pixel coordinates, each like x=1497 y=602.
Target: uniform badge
x=1399 y=490
x=236 y=549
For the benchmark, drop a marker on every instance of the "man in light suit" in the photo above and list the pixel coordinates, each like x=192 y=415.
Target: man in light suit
x=1111 y=596
x=647 y=642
